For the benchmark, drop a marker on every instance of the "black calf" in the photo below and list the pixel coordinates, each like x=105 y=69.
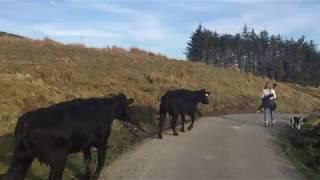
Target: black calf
x=181 y=102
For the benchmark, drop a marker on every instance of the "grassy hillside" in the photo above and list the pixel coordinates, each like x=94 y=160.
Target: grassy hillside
x=39 y=73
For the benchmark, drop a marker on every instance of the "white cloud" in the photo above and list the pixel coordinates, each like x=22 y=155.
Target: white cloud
x=57 y=30
x=134 y=24
x=144 y=29
x=115 y=8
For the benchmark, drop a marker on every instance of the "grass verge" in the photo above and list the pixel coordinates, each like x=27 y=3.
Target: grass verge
x=300 y=149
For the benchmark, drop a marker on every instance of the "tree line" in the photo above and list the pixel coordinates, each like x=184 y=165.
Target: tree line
x=273 y=56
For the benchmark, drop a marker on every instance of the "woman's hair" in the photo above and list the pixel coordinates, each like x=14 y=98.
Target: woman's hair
x=266 y=85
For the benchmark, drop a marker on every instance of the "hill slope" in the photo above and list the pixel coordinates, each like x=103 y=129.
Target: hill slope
x=38 y=73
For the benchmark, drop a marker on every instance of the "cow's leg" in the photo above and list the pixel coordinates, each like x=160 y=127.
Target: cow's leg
x=174 y=124
x=291 y=123
x=87 y=161
x=19 y=167
x=161 y=123
x=192 y=115
x=101 y=159
x=102 y=154
x=57 y=162
x=183 y=119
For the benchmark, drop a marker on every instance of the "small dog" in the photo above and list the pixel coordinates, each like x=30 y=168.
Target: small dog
x=297 y=122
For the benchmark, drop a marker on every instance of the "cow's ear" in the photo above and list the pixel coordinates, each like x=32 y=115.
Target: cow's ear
x=130 y=101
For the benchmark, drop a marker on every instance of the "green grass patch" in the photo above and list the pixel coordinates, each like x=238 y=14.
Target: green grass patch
x=312 y=121
x=299 y=149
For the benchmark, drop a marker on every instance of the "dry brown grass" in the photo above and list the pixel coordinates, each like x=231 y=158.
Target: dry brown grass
x=33 y=67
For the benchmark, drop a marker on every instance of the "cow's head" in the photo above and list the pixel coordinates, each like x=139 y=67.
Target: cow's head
x=202 y=96
x=122 y=111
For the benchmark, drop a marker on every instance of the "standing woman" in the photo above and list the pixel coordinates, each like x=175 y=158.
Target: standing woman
x=268 y=101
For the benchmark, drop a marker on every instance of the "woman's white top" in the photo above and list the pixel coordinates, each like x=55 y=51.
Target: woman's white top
x=267 y=92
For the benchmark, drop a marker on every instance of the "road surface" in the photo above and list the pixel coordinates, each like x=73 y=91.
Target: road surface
x=229 y=147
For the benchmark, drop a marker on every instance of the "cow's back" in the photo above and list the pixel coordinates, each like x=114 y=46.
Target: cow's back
x=179 y=95
x=73 y=123
x=179 y=101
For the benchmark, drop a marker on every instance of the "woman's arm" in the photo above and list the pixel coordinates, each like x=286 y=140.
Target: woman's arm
x=263 y=93
x=274 y=94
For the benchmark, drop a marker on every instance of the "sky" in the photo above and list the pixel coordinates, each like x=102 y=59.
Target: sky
x=161 y=26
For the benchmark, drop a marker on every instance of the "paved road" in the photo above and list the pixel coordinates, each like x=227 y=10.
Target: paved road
x=230 y=147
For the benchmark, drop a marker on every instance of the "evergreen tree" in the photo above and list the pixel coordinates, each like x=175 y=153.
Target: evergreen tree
x=195 y=47
x=262 y=54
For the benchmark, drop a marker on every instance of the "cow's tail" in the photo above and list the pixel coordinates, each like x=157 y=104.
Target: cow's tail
x=21 y=152
x=21 y=138
x=163 y=107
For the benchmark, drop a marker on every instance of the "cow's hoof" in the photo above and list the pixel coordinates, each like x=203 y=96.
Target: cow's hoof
x=176 y=134
x=160 y=136
x=182 y=130
x=87 y=176
x=189 y=128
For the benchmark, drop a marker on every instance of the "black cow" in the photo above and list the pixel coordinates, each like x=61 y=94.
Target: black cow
x=181 y=102
x=50 y=134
